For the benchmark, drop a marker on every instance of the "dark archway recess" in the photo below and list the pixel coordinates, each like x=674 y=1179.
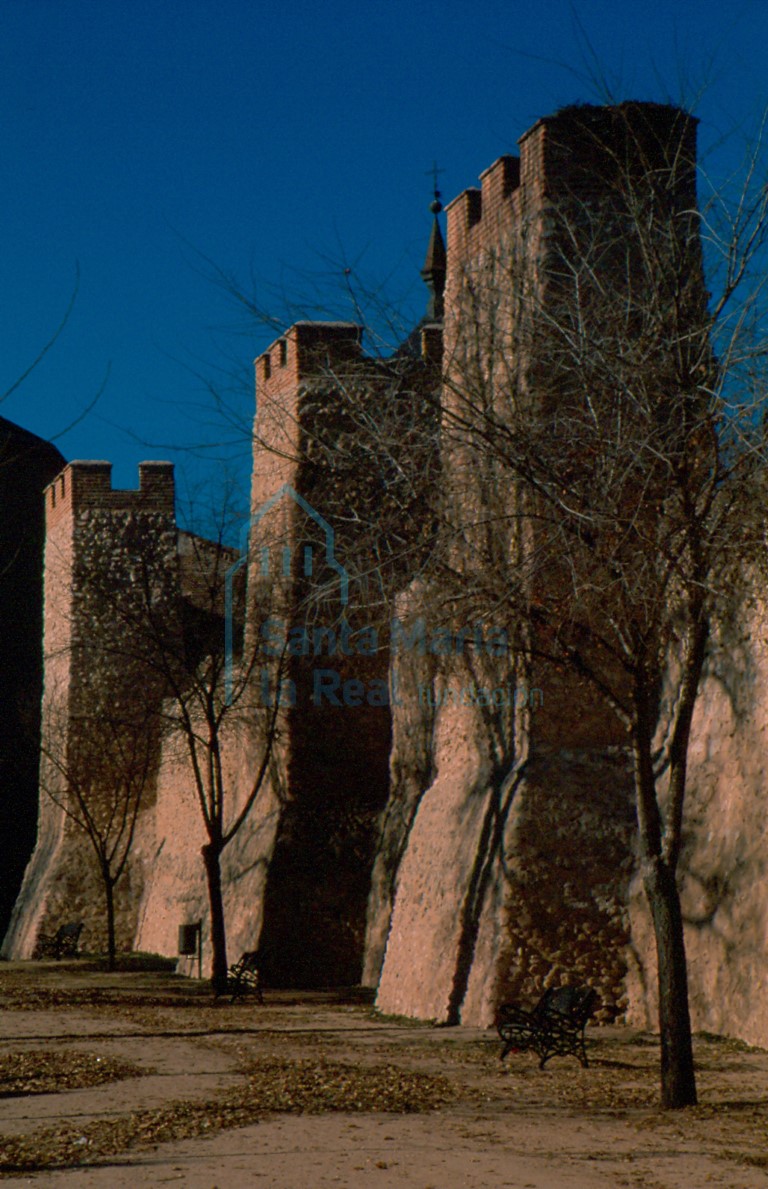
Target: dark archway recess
x=319 y=877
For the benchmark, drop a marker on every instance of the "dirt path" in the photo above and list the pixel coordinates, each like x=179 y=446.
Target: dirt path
x=462 y=1119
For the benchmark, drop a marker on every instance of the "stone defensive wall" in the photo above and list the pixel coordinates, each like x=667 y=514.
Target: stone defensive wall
x=471 y=840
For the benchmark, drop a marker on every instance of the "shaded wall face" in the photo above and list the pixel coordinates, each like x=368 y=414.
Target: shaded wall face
x=472 y=924
x=319 y=875
x=514 y=871
x=569 y=863
x=360 y=463
x=332 y=679
x=102 y=727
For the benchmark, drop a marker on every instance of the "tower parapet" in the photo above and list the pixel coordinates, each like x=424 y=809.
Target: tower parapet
x=513 y=246
x=582 y=151
x=305 y=348
x=307 y=351
x=477 y=213
x=88 y=484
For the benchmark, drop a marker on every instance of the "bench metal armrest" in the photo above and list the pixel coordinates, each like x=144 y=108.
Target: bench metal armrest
x=547 y=1030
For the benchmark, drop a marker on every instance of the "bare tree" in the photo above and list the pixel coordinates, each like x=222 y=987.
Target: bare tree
x=85 y=409
x=211 y=704
x=601 y=447
x=602 y=452
x=605 y=420
x=135 y=641
x=97 y=769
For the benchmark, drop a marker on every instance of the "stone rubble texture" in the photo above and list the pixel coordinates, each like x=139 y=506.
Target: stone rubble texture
x=493 y=872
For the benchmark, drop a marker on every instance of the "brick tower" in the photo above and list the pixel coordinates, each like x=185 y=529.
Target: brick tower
x=322 y=562
x=104 y=549
x=487 y=903
x=333 y=758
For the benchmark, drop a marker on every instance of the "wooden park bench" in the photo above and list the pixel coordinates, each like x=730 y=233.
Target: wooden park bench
x=61 y=944
x=245 y=977
x=554 y=1028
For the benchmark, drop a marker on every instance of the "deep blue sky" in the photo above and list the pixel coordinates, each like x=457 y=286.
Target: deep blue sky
x=281 y=142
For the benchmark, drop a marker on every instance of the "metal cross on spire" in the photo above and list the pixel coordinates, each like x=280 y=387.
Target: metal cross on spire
x=436 y=205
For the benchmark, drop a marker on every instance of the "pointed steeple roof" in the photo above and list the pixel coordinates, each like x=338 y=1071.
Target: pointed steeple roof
x=433 y=274
x=434 y=268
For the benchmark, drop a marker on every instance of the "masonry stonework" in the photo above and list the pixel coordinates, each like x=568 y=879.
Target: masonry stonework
x=102 y=545
x=449 y=851
x=725 y=851
x=513 y=802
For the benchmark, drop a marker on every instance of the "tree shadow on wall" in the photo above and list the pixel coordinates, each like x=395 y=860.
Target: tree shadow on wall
x=505 y=728
x=501 y=796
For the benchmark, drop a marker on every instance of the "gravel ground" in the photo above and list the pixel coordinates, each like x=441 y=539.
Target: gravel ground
x=136 y=1078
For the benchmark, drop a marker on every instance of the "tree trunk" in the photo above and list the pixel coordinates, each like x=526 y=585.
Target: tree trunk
x=678 y=1082
x=212 y=859
x=109 y=896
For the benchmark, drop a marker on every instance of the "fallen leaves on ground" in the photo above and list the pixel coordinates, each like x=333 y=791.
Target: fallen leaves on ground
x=272 y=1086
x=313 y=1087
x=51 y=998
x=608 y=1084
x=38 y=1072
x=362 y=1062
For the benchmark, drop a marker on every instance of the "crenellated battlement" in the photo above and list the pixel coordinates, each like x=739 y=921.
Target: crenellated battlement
x=304 y=348
x=88 y=484
x=321 y=558
x=581 y=151
x=307 y=351
x=475 y=210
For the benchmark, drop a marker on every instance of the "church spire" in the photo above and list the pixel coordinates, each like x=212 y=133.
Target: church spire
x=433 y=272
